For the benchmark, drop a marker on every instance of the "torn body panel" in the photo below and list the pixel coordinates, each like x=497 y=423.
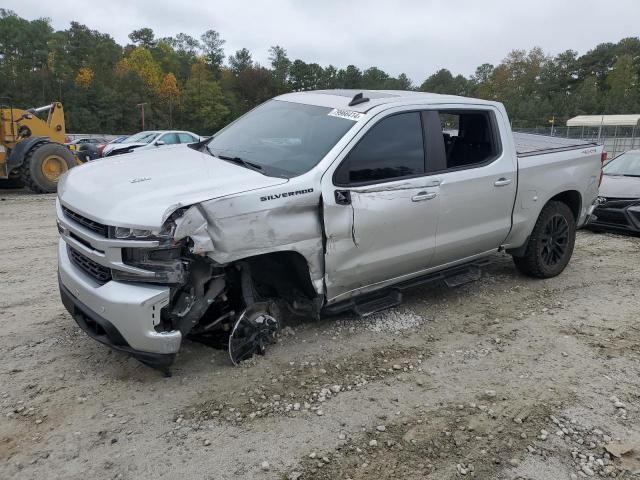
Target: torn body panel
x=237 y=227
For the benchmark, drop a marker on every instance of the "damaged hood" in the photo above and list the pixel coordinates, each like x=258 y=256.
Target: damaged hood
x=141 y=190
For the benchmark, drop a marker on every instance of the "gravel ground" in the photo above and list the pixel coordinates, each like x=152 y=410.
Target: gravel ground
x=504 y=378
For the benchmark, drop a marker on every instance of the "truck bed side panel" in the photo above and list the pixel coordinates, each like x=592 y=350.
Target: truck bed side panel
x=541 y=177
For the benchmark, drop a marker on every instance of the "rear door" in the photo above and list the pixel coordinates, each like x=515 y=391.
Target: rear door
x=478 y=183
x=169 y=138
x=380 y=207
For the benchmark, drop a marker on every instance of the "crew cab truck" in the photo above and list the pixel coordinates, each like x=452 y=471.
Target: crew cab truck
x=314 y=202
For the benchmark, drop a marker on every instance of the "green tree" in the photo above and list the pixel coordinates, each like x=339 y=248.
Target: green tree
x=588 y=98
x=240 y=61
x=444 y=82
x=374 y=78
x=213 y=48
x=101 y=82
x=622 y=81
x=204 y=101
x=144 y=37
x=280 y=65
x=351 y=77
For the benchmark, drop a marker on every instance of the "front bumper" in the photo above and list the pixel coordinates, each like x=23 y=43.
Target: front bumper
x=616 y=216
x=118 y=314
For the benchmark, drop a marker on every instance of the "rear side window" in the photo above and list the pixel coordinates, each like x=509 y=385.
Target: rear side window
x=186 y=138
x=392 y=149
x=469 y=138
x=170 y=139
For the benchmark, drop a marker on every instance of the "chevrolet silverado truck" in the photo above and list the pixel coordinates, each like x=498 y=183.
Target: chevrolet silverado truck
x=314 y=203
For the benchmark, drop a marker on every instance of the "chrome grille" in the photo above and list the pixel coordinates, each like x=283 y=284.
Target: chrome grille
x=86 y=222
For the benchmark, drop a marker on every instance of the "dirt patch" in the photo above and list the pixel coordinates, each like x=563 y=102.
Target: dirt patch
x=481 y=371
x=305 y=386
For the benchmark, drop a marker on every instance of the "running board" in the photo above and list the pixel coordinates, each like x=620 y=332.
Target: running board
x=389 y=297
x=471 y=275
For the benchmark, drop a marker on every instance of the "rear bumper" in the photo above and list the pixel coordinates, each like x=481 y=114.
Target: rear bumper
x=120 y=315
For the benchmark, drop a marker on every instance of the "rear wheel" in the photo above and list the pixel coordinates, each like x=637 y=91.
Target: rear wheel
x=551 y=243
x=43 y=166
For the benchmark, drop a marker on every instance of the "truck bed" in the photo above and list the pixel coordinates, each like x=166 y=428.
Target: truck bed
x=528 y=144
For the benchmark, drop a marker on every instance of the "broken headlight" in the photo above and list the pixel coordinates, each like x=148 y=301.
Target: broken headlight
x=124 y=233
x=165 y=260
x=166 y=264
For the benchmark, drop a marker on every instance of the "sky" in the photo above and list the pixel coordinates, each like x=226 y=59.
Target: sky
x=417 y=37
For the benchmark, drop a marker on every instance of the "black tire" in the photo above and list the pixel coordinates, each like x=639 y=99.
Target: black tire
x=11 y=183
x=31 y=171
x=551 y=243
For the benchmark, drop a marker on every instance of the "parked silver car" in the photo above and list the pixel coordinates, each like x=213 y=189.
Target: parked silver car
x=149 y=140
x=618 y=204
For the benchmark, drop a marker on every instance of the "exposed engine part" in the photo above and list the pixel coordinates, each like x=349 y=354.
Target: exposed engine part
x=257 y=326
x=191 y=304
x=234 y=306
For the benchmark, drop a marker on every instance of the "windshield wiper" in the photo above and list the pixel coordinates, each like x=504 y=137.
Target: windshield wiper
x=241 y=161
x=238 y=161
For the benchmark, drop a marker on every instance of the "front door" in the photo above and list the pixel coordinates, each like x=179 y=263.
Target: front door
x=380 y=208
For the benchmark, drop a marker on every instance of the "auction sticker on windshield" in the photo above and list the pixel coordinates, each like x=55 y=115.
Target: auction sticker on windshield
x=348 y=114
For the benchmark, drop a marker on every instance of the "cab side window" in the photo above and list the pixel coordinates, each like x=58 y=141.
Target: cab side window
x=469 y=138
x=390 y=150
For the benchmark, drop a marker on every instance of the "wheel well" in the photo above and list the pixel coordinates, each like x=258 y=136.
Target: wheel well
x=286 y=272
x=572 y=199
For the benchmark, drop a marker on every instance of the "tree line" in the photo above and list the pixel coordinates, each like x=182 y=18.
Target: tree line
x=190 y=83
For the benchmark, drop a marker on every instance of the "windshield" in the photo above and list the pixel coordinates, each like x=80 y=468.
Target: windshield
x=142 y=137
x=281 y=138
x=626 y=164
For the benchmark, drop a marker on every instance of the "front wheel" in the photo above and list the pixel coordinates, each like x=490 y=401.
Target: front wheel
x=551 y=242
x=43 y=166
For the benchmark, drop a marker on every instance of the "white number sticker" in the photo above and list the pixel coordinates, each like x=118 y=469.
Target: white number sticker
x=348 y=114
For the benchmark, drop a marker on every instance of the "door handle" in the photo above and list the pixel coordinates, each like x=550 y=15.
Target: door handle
x=501 y=182
x=419 y=197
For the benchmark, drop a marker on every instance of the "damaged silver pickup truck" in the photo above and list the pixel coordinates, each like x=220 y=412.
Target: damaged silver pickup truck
x=315 y=203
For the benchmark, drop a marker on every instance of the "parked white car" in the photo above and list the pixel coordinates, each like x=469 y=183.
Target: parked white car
x=149 y=140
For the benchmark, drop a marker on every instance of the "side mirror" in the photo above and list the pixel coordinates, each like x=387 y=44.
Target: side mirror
x=159 y=143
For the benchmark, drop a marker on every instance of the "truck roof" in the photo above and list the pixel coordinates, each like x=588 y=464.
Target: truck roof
x=340 y=98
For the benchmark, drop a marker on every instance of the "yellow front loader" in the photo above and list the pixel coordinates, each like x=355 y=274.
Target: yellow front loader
x=32 y=150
